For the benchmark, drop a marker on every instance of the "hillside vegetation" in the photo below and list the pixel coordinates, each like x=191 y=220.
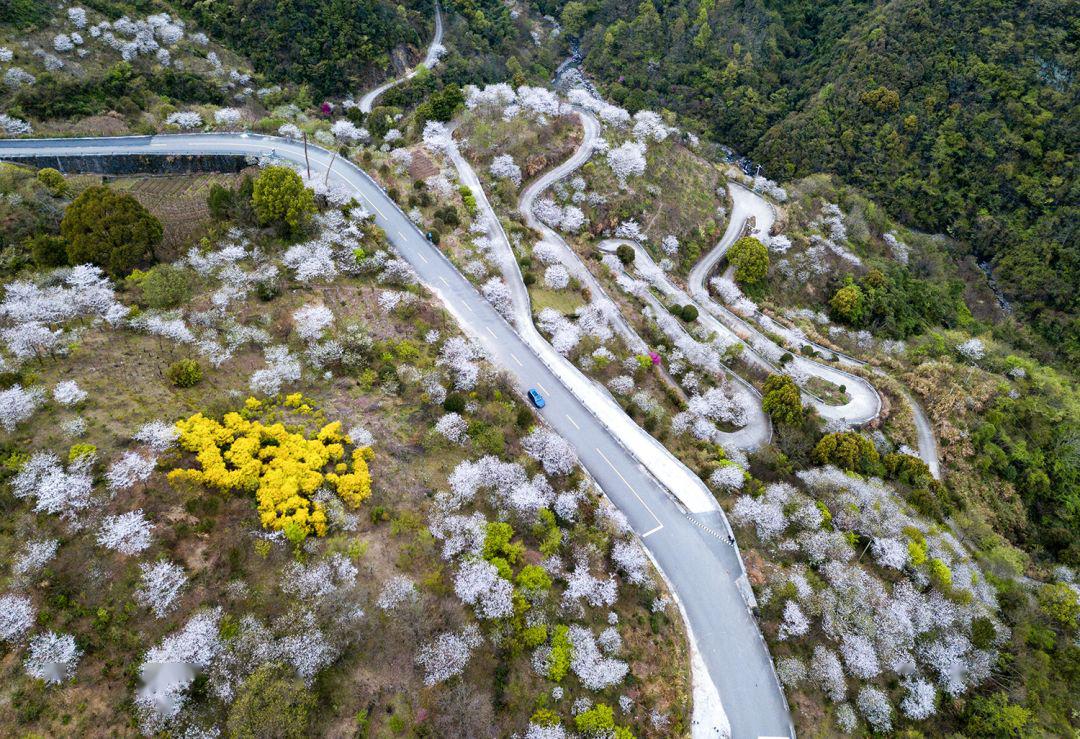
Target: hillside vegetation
x=957 y=116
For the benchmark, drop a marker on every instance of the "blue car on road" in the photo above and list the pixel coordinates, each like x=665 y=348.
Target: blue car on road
x=536 y=398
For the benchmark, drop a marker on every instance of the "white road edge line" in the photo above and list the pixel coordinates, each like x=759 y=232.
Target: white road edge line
x=372 y=204
x=572 y=421
x=627 y=484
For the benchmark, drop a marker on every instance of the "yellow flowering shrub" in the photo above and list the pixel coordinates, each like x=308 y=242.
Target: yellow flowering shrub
x=282 y=467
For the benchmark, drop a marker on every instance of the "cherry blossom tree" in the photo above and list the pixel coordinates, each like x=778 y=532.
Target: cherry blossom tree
x=347 y=132
x=130 y=469
x=448 y=655
x=556 y=277
x=918 y=702
x=497 y=292
x=595 y=671
x=670 y=245
x=828 y=673
x=396 y=591
x=127 y=533
x=34 y=555
x=972 y=350
x=795 y=622
x=875 y=707
x=555 y=454
x=503 y=167
x=478 y=584
x=728 y=478
x=627 y=160
x=185 y=120
x=52 y=657
x=56 y=491
x=453 y=427
x=17 y=404
x=227 y=116
x=458 y=356
x=791 y=672
x=631 y=561
x=160 y=586
x=281 y=368
x=16 y=617
x=311 y=320
x=171 y=666
x=157 y=435
x=649 y=125
x=68 y=392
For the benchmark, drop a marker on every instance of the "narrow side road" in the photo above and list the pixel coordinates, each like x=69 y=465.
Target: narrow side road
x=368 y=101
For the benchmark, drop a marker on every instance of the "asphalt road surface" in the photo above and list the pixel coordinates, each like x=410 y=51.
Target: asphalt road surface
x=691 y=549
x=368 y=101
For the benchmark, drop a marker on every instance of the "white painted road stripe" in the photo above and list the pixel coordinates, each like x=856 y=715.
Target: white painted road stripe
x=443 y=280
x=422 y=257
x=572 y=421
x=372 y=204
x=469 y=308
x=516 y=359
x=491 y=332
x=650 y=532
x=402 y=236
x=542 y=387
x=627 y=484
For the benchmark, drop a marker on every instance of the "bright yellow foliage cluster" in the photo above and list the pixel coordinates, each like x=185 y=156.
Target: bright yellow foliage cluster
x=283 y=468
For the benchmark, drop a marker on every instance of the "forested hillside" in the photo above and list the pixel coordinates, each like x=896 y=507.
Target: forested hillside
x=956 y=115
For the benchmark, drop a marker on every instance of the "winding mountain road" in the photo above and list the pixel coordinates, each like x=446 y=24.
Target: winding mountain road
x=368 y=101
x=675 y=515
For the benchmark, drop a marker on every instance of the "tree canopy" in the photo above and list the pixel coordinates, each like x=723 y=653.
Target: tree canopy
x=110 y=229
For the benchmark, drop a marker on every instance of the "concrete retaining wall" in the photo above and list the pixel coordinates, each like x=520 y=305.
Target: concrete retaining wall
x=134 y=164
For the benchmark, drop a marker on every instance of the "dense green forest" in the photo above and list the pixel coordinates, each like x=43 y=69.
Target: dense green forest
x=961 y=117
x=331 y=45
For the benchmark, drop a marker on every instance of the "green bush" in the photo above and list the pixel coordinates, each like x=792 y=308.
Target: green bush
x=280 y=199
x=48 y=251
x=110 y=229
x=689 y=313
x=53 y=181
x=271 y=702
x=625 y=253
x=781 y=400
x=849 y=451
x=166 y=286
x=751 y=260
x=185 y=373
x=454 y=403
x=220 y=201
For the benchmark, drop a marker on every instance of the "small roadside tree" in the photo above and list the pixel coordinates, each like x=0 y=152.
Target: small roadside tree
x=781 y=400
x=751 y=260
x=280 y=199
x=110 y=229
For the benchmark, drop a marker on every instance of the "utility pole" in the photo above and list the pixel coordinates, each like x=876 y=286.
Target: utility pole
x=308 y=161
x=327 y=178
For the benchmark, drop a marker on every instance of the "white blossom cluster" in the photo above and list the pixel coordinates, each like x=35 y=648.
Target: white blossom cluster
x=627 y=160
x=554 y=453
x=17 y=404
x=52 y=657
x=34 y=555
x=721 y=404
x=728 y=478
x=503 y=167
x=127 y=533
x=160 y=586
x=595 y=671
x=460 y=357
x=569 y=218
x=68 y=392
x=564 y=334
x=311 y=320
x=187 y=120
x=556 y=277
x=396 y=591
x=16 y=617
x=509 y=486
x=345 y=131
x=448 y=655
x=900 y=251
x=157 y=435
x=130 y=469
x=972 y=350
x=55 y=490
x=281 y=369
x=34 y=317
x=227 y=116
x=582 y=585
x=611 y=115
x=631 y=561
x=478 y=584
x=497 y=292
x=14 y=126
x=453 y=427
x=650 y=126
